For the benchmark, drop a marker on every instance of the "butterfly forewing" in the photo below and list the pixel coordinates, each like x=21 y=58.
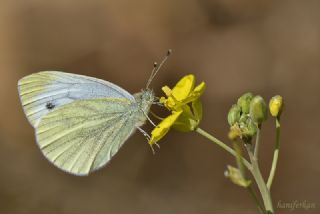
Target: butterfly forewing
x=45 y=91
x=82 y=136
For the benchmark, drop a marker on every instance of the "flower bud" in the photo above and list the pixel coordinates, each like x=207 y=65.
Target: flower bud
x=234 y=114
x=258 y=109
x=235 y=176
x=244 y=119
x=244 y=102
x=276 y=106
x=234 y=132
x=249 y=130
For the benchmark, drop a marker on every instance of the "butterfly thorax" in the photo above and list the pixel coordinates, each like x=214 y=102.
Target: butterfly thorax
x=144 y=100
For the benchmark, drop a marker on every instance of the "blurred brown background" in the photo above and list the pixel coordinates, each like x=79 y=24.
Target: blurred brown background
x=267 y=47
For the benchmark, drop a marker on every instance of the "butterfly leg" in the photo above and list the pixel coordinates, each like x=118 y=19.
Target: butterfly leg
x=148 y=118
x=158 y=104
x=148 y=138
x=144 y=133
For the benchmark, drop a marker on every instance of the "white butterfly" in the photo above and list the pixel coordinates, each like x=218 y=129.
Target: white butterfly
x=81 y=122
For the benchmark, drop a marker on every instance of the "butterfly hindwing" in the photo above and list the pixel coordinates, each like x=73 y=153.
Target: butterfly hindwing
x=82 y=136
x=43 y=92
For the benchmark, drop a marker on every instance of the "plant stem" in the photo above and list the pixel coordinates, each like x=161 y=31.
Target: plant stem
x=256 y=146
x=275 y=155
x=256 y=200
x=222 y=145
x=239 y=161
x=264 y=191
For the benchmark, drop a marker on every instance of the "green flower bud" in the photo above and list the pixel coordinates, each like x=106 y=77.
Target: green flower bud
x=258 y=109
x=247 y=127
x=244 y=102
x=276 y=106
x=234 y=114
x=249 y=130
x=244 y=119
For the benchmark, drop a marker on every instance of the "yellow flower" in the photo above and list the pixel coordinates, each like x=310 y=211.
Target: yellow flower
x=185 y=97
x=183 y=92
x=185 y=106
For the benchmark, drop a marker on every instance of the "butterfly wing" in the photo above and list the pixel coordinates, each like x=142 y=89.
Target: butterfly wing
x=42 y=92
x=82 y=136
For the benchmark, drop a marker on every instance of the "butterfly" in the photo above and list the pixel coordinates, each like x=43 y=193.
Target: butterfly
x=81 y=122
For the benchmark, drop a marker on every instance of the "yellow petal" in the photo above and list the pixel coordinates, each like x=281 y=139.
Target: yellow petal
x=200 y=89
x=163 y=127
x=195 y=94
x=183 y=88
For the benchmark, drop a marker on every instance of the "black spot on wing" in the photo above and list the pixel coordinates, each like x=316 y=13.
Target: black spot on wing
x=50 y=105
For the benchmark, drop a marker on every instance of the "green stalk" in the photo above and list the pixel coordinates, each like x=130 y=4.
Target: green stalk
x=256 y=146
x=222 y=145
x=239 y=161
x=264 y=191
x=256 y=200
x=275 y=155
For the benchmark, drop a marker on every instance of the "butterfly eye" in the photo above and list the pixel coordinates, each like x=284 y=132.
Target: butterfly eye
x=50 y=106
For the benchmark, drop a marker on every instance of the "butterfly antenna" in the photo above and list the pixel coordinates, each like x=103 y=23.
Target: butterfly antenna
x=157 y=67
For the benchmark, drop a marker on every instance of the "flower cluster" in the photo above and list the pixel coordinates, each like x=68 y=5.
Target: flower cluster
x=247 y=115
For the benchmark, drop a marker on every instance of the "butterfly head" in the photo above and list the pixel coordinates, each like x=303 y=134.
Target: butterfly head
x=145 y=99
